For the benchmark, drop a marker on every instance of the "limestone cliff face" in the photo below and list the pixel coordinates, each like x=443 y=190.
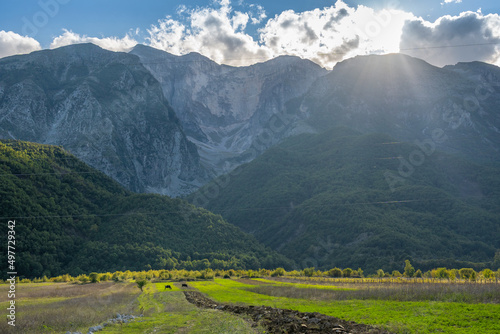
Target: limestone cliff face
x=105 y=108
x=410 y=99
x=226 y=111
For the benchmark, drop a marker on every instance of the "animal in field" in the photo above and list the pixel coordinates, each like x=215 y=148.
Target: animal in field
x=168 y=287
x=184 y=285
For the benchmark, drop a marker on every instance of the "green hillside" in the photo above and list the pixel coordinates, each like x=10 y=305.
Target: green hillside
x=326 y=200
x=72 y=219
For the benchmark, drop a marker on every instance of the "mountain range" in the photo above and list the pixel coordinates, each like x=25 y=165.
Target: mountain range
x=167 y=124
x=104 y=107
x=379 y=159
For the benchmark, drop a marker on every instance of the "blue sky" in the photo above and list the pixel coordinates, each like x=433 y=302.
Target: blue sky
x=242 y=32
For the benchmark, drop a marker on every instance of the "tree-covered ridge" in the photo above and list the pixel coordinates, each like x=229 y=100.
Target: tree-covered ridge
x=71 y=218
x=338 y=199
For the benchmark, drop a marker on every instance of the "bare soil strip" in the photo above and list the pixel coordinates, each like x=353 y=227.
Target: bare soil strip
x=277 y=320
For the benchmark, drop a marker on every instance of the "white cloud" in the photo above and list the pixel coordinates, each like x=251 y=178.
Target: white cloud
x=13 y=44
x=451 y=39
x=124 y=44
x=217 y=33
x=450 y=1
x=334 y=33
x=326 y=35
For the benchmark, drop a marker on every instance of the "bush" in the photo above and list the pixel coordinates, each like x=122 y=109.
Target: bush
x=468 y=274
x=335 y=272
x=309 y=272
x=347 y=272
x=141 y=284
x=94 y=278
x=278 y=272
x=396 y=273
x=409 y=270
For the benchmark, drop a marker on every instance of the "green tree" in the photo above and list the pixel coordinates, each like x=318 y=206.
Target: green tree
x=141 y=284
x=335 y=272
x=380 y=273
x=278 y=272
x=347 y=272
x=309 y=272
x=396 y=273
x=488 y=273
x=409 y=270
x=441 y=273
x=467 y=274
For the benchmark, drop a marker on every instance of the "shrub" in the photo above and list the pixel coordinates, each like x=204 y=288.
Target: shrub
x=309 y=272
x=347 y=272
x=396 y=273
x=278 y=272
x=94 y=278
x=468 y=274
x=335 y=272
x=409 y=270
x=141 y=283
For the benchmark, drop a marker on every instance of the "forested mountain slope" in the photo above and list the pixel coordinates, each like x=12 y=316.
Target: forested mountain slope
x=70 y=218
x=345 y=199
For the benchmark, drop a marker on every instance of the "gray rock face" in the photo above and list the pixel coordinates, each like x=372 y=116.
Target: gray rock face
x=226 y=111
x=110 y=109
x=105 y=108
x=410 y=100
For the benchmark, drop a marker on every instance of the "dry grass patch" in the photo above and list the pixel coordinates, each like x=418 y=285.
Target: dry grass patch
x=452 y=292
x=74 y=307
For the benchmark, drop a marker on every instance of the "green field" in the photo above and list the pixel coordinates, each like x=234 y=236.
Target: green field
x=400 y=307
x=425 y=316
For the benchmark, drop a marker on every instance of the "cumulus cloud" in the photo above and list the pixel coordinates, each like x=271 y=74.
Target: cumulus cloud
x=13 y=44
x=325 y=36
x=218 y=33
x=124 y=44
x=331 y=34
x=451 y=39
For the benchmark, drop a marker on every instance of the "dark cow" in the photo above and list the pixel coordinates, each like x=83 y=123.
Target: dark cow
x=184 y=285
x=168 y=287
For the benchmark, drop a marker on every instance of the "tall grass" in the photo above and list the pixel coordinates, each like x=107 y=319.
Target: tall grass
x=453 y=292
x=62 y=307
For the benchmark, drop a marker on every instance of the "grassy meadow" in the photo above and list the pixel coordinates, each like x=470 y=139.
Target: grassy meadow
x=397 y=305
x=400 y=307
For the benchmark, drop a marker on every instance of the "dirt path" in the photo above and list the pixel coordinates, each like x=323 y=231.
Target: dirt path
x=281 y=321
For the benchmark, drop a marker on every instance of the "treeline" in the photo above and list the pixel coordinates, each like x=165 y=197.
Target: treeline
x=464 y=274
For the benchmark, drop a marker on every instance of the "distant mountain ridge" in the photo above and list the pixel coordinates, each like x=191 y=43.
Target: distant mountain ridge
x=104 y=107
x=168 y=124
x=408 y=98
x=225 y=110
